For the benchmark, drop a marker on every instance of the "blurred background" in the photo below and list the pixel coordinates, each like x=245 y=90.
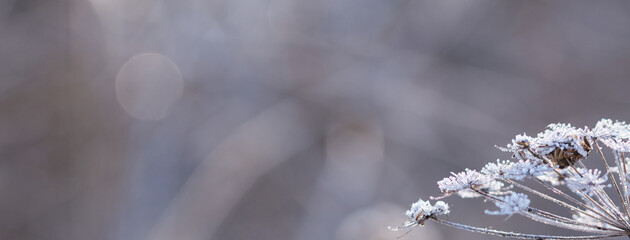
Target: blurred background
x=283 y=119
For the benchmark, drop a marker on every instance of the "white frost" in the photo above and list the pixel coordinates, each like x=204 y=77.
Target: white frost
x=511 y=204
x=516 y=170
x=422 y=210
x=588 y=182
x=469 y=179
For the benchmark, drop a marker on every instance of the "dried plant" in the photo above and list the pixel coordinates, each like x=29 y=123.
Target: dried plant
x=553 y=159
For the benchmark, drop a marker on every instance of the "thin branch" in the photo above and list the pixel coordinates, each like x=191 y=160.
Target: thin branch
x=599 y=210
x=552 y=219
x=564 y=204
x=625 y=176
x=612 y=177
x=606 y=201
x=519 y=235
x=565 y=223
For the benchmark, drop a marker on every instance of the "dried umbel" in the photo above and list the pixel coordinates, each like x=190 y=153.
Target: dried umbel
x=553 y=159
x=561 y=145
x=567 y=157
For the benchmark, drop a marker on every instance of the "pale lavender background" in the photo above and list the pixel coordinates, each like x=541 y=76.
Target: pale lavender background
x=285 y=119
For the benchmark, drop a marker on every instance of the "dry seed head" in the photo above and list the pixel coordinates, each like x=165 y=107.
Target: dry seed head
x=548 y=158
x=565 y=157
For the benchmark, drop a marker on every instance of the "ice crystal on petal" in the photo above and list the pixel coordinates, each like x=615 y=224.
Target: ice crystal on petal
x=511 y=204
x=469 y=179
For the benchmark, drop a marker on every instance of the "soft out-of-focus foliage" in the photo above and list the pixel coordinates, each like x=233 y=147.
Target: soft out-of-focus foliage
x=281 y=119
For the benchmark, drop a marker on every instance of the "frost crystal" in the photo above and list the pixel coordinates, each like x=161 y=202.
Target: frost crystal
x=516 y=170
x=421 y=211
x=499 y=169
x=425 y=209
x=588 y=182
x=520 y=147
x=511 y=204
x=564 y=137
x=469 y=179
x=615 y=135
x=494 y=188
x=560 y=144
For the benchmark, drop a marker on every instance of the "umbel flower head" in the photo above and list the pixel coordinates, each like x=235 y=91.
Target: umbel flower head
x=554 y=159
x=511 y=204
x=421 y=211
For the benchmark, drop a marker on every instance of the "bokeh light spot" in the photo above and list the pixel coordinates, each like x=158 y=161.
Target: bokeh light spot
x=148 y=85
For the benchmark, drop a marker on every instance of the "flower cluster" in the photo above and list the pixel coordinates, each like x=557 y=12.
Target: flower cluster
x=516 y=170
x=587 y=181
x=560 y=144
x=425 y=209
x=615 y=135
x=510 y=204
x=553 y=159
x=421 y=210
x=469 y=179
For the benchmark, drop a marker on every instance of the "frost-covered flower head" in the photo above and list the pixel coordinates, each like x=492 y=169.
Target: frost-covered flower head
x=520 y=146
x=560 y=144
x=516 y=170
x=553 y=160
x=510 y=204
x=495 y=187
x=469 y=179
x=422 y=210
x=615 y=135
x=587 y=181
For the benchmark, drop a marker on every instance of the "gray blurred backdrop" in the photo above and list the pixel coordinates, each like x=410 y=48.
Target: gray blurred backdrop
x=283 y=119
